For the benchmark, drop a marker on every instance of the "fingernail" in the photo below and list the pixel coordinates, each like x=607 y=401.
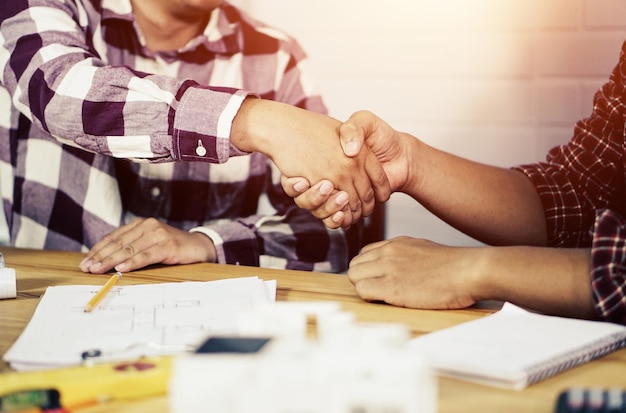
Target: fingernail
x=352 y=148
x=121 y=267
x=337 y=217
x=300 y=186
x=85 y=264
x=342 y=199
x=326 y=188
x=95 y=266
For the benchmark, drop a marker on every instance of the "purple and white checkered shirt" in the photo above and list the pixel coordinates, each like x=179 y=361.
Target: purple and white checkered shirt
x=95 y=130
x=582 y=186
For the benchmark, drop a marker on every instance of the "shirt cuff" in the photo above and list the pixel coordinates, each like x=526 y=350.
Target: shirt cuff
x=203 y=122
x=234 y=243
x=608 y=266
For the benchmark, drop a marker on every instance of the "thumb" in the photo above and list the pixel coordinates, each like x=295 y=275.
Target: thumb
x=351 y=138
x=353 y=132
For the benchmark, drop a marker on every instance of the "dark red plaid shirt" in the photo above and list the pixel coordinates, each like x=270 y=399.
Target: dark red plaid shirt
x=582 y=186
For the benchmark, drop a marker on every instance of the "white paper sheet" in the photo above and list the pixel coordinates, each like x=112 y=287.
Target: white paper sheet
x=133 y=321
x=8 y=286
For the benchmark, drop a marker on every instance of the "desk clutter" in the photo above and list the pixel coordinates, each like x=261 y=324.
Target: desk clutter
x=8 y=284
x=228 y=345
x=283 y=356
x=69 y=388
x=591 y=400
x=348 y=367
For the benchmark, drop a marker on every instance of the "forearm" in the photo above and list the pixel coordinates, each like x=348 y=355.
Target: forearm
x=288 y=135
x=252 y=126
x=295 y=240
x=495 y=205
x=548 y=280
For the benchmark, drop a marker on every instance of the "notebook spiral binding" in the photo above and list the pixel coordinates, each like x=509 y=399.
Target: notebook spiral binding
x=574 y=358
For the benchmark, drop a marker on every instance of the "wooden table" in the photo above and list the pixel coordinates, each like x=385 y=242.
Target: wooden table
x=37 y=270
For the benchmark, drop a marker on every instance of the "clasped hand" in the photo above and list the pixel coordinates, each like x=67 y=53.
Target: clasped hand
x=376 y=147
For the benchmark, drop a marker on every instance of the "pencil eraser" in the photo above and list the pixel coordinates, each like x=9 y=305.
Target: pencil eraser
x=8 y=286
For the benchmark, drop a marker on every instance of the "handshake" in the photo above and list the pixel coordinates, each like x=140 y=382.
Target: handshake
x=365 y=164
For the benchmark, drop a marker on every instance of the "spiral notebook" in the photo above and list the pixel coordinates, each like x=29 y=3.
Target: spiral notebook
x=514 y=348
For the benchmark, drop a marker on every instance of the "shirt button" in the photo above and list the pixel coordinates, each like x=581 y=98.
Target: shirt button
x=155 y=192
x=200 y=150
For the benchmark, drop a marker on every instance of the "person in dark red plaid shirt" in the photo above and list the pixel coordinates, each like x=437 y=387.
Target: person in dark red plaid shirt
x=575 y=200
x=155 y=122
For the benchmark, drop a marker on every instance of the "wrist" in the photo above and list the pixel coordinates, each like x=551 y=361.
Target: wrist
x=415 y=156
x=241 y=130
x=256 y=126
x=479 y=270
x=205 y=245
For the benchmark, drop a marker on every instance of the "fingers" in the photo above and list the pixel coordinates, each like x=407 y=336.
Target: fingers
x=371 y=289
x=336 y=220
x=370 y=252
x=124 y=249
x=103 y=248
x=367 y=275
x=377 y=177
x=294 y=186
x=321 y=199
x=148 y=241
x=373 y=185
x=316 y=199
x=342 y=218
x=363 y=205
x=334 y=207
x=351 y=138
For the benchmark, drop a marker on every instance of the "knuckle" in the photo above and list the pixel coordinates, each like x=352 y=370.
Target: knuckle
x=146 y=257
x=151 y=222
x=356 y=207
x=117 y=242
x=97 y=257
x=137 y=222
x=129 y=250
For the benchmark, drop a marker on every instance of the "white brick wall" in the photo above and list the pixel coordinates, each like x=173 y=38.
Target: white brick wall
x=498 y=81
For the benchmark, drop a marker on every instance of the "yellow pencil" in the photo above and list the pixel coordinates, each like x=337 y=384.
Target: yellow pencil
x=103 y=291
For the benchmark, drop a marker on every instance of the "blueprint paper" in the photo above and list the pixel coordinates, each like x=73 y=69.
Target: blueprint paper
x=133 y=321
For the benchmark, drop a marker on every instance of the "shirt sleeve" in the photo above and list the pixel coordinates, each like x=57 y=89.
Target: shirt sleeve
x=60 y=82
x=608 y=261
x=586 y=174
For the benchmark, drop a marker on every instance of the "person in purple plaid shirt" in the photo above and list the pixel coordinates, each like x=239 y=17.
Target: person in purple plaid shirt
x=575 y=200
x=148 y=131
